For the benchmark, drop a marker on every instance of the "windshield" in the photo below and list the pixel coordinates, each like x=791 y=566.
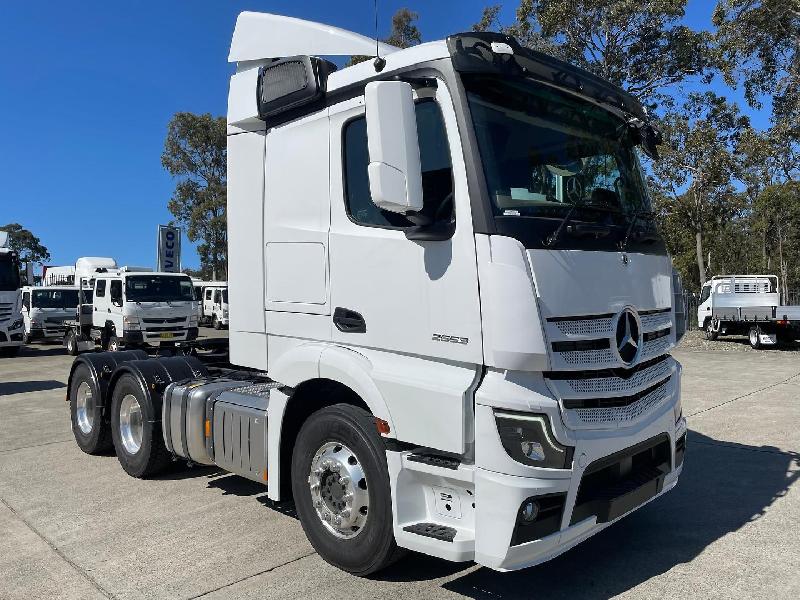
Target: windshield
x=64 y=299
x=9 y=273
x=158 y=288
x=544 y=152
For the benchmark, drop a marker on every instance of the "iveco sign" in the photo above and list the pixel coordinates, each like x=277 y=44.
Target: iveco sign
x=169 y=249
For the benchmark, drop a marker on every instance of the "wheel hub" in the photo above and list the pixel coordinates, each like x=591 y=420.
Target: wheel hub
x=338 y=488
x=84 y=407
x=131 y=425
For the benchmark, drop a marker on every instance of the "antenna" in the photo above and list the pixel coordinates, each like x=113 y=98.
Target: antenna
x=379 y=63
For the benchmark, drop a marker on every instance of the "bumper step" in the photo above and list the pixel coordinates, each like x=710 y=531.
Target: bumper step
x=432 y=530
x=445 y=462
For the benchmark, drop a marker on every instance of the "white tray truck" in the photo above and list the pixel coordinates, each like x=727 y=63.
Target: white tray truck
x=451 y=314
x=215 y=304
x=130 y=306
x=747 y=305
x=12 y=326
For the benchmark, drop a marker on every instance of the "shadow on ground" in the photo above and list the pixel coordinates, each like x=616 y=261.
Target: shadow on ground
x=724 y=486
x=21 y=387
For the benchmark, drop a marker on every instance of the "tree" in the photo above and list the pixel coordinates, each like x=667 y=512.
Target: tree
x=695 y=173
x=404 y=33
x=777 y=210
x=25 y=244
x=638 y=44
x=195 y=154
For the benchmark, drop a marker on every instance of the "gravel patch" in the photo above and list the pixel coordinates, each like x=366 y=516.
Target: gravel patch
x=696 y=341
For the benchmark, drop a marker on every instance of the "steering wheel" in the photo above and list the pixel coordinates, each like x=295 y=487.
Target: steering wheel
x=574 y=189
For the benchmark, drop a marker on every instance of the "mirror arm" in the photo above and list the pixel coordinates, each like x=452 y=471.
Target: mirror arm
x=435 y=232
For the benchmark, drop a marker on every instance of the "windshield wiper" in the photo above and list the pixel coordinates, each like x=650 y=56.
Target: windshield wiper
x=553 y=238
x=635 y=216
x=589 y=229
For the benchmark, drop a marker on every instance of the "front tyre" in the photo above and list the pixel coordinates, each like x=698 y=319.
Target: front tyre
x=712 y=330
x=92 y=434
x=754 y=336
x=71 y=343
x=136 y=430
x=340 y=484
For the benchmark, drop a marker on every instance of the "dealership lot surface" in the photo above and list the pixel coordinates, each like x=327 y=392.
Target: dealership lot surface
x=76 y=526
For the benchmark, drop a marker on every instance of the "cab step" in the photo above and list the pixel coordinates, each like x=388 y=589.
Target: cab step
x=433 y=530
x=444 y=462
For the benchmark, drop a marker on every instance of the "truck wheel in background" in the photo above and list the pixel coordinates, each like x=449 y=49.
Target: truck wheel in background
x=113 y=344
x=712 y=331
x=215 y=322
x=340 y=484
x=754 y=337
x=136 y=429
x=91 y=433
x=26 y=338
x=71 y=343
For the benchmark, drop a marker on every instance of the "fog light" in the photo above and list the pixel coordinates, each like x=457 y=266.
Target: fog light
x=529 y=512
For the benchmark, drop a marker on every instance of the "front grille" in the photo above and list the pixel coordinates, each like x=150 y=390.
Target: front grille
x=611 y=380
x=595 y=326
x=656 y=347
x=587 y=357
x=165 y=320
x=6 y=308
x=165 y=328
x=613 y=411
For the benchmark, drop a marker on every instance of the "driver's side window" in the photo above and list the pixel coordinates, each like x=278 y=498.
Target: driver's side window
x=705 y=293
x=437 y=171
x=115 y=291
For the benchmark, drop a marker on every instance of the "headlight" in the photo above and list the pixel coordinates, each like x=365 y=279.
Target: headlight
x=527 y=438
x=192 y=320
x=17 y=324
x=225 y=313
x=131 y=323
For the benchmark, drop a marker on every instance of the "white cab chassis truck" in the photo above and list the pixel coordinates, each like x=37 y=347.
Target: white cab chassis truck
x=12 y=326
x=47 y=309
x=136 y=309
x=215 y=304
x=450 y=311
x=747 y=305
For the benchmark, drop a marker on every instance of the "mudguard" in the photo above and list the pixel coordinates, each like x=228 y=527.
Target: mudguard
x=101 y=367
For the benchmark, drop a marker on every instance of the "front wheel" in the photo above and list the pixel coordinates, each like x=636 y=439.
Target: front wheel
x=712 y=330
x=114 y=345
x=340 y=484
x=755 y=337
x=136 y=429
x=71 y=343
x=216 y=323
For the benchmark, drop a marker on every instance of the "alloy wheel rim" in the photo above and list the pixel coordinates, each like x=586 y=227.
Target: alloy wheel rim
x=131 y=425
x=339 y=492
x=84 y=407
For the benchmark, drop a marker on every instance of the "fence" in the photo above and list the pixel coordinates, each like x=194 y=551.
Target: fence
x=693 y=301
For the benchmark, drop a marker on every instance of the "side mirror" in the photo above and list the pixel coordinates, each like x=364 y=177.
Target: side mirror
x=395 y=174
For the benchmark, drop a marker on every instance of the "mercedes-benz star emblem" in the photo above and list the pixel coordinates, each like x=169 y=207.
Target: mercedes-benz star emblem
x=629 y=337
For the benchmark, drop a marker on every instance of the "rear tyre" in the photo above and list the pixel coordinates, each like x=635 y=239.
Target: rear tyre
x=136 y=430
x=340 y=484
x=712 y=331
x=754 y=336
x=71 y=343
x=91 y=432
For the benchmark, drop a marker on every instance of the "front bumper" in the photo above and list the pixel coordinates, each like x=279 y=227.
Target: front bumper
x=502 y=485
x=13 y=337
x=47 y=333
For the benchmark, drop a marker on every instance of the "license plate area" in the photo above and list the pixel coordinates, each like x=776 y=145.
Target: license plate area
x=166 y=335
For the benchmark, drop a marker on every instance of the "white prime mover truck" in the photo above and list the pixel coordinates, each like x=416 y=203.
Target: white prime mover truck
x=130 y=307
x=12 y=326
x=747 y=305
x=451 y=314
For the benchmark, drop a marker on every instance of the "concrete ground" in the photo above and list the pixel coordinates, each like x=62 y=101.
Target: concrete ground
x=75 y=526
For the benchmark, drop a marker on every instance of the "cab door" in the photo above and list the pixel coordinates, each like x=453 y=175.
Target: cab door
x=115 y=304
x=26 y=310
x=704 y=305
x=416 y=299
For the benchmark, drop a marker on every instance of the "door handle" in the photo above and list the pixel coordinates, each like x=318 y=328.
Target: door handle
x=349 y=321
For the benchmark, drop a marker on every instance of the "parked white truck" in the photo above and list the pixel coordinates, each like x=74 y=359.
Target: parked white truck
x=12 y=327
x=215 y=304
x=120 y=308
x=46 y=309
x=747 y=305
x=451 y=312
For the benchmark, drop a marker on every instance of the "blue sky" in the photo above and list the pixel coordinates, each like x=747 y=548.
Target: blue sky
x=89 y=87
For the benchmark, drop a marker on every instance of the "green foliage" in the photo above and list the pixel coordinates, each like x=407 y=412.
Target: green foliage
x=25 y=244
x=195 y=154
x=404 y=34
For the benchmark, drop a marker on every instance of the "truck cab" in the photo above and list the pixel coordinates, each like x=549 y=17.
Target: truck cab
x=142 y=308
x=215 y=304
x=444 y=261
x=12 y=327
x=45 y=310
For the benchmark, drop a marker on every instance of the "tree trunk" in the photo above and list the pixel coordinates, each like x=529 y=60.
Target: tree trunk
x=698 y=237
